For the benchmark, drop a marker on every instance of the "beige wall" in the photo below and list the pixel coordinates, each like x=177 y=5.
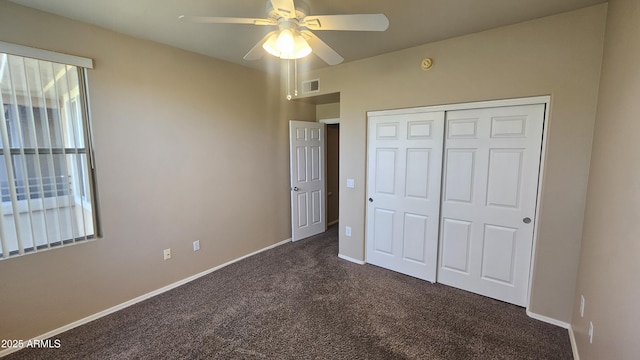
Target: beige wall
x=558 y=56
x=609 y=273
x=328 y=111
x=187 y=147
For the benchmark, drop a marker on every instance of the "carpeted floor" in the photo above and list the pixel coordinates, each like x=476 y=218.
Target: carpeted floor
x=300 y=301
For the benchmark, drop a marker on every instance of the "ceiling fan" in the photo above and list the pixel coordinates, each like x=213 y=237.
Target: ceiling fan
x=294 y=39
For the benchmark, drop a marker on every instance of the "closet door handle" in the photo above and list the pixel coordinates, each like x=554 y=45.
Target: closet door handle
x=526 y=220
x=295 y=188
x=370 y=200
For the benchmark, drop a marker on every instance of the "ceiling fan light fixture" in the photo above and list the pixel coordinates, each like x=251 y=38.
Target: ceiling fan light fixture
x=301 y=47
x=287 y=44
x=270 y=45
x=295 y=25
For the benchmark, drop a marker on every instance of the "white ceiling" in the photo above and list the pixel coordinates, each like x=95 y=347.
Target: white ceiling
x=412 y=22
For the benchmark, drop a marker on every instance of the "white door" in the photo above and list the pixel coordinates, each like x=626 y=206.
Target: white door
x=307 y=156
x=490 y=181
x=403 y=190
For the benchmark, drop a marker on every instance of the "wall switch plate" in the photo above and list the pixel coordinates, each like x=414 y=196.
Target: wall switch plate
x=347 y=231
x=590 y=332
x=196 y=245
x=167 y=254
x=581 y=305
x=351 y=183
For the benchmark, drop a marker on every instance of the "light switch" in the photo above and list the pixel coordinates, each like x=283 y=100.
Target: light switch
x=351 y=183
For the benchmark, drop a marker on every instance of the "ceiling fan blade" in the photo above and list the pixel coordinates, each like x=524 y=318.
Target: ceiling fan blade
x=226 y=20
x=285 y=8
x=257 y=51
x=354 y=22
x=321 y=49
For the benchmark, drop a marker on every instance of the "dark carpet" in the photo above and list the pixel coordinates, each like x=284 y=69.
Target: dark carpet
x=300 y=301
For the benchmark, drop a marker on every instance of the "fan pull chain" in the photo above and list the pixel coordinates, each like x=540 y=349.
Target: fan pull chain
x=295 y=77
x=288 y=79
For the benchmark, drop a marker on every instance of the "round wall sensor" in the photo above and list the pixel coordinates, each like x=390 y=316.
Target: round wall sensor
x=426 y=64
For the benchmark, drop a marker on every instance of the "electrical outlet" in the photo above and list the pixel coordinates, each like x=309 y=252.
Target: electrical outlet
x=167 y=254
x=347 y=231
x=581 y=305
x=590 y=332
x=351 y=183
x=196 y=245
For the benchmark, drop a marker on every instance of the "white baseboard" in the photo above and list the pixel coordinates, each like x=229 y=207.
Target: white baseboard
x=562 y=324
x=344 y=257
x=574 y=345
x=333 y=222
x=139 y=298
x=548 y=320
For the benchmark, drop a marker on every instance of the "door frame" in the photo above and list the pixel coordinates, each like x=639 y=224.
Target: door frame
x=332 y=121
x=545 y=99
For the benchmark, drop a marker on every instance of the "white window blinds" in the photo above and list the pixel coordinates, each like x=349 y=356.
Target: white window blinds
x=46 y=172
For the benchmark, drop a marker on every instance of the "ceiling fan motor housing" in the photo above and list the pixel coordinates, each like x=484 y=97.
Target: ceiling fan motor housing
x=302 y=10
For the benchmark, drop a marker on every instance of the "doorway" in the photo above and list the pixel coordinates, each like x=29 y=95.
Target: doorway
x=314 y=169
x=333 y=173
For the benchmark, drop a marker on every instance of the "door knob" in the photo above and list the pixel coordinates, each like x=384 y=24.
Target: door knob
x=370 y=199
x=526 y=220
x=295 y=188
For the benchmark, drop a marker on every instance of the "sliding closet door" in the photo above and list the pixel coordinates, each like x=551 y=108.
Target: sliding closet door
x=403 y=192
x=490 y=181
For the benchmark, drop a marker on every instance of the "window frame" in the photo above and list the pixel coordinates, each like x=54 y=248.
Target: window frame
x=88 y=194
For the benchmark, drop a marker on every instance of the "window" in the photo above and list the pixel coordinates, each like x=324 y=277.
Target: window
x=46 y=168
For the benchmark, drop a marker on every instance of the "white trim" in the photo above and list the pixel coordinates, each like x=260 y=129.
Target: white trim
x=548 y=320
x=465 y=106
x=574 y=345
x=536 y=221
x=344 y=257
x=331 y=121
x=140 y=298
x=41 y=54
